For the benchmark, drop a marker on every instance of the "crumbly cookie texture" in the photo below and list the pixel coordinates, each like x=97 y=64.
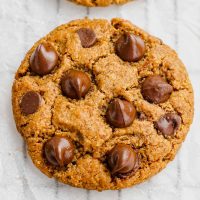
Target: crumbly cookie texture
x=94 y=120
x=92 y=3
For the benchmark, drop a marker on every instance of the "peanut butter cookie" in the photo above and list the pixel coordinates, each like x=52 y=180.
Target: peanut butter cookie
x=102 y=105
x=92 y=3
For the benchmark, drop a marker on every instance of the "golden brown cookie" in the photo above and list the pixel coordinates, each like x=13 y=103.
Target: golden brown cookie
x=92 y=3
x=102 y=105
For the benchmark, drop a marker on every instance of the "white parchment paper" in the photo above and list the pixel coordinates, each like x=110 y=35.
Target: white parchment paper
x=22 y=22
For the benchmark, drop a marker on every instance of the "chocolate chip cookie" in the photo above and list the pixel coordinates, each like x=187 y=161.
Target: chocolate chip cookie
x=102 y=105
x=92 y=3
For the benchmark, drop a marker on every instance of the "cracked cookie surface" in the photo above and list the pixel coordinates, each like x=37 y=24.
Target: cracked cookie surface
x=92 y=3
x=102 y=105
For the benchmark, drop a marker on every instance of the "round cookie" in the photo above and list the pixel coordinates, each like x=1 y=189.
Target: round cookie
x=92 y=3
x=102 y=105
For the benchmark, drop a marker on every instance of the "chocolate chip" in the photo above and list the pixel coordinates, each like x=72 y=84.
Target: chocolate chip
x=120 y=113
x=30 y=102
x=130 y=47
x=44 y=59
x=75 y=84
x=142 y=116
x=123 y=160
x=168 y=124
x=59 y=151
x=87 y=37
x=156 y=90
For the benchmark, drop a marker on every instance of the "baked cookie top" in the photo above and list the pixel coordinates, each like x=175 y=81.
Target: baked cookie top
x=102 y=105
x=92 y=3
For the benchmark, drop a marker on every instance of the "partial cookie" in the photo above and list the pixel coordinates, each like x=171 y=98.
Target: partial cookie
x=102 y=105
x=92 y=3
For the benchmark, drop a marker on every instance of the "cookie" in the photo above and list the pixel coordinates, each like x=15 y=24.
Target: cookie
x=102 y=105
x=92 y=3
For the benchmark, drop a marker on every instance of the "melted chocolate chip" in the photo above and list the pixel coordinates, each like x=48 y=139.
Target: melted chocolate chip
x=121 y=113
x=156 y=90
x=168 y=124
x=75 y=84
x=30 y=103
x=44 y=59
x=59 y=151
x=130 y=47
x=87 y=37
x=123 y=160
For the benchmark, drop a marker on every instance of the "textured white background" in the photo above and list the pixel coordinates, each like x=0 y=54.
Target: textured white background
x=22 y=22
